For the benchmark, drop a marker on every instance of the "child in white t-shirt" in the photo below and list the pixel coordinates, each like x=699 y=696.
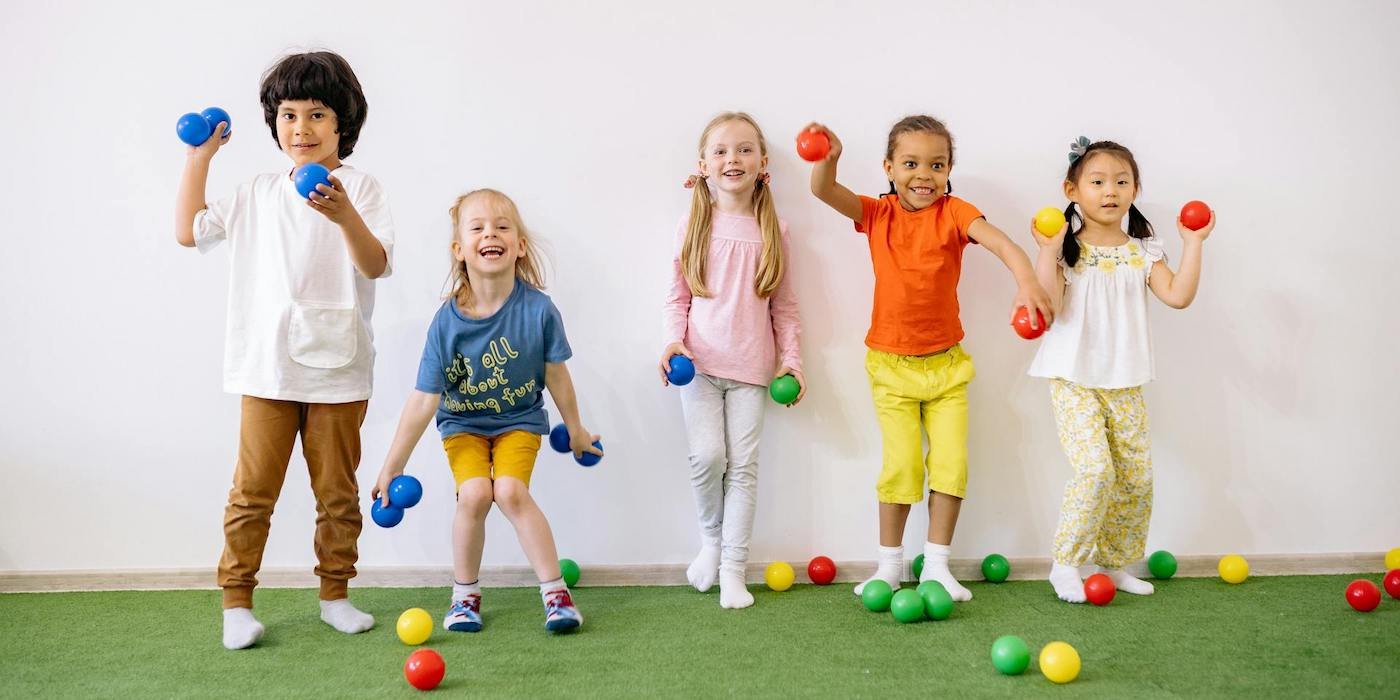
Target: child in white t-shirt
x=299 y=348
x=1098 y=354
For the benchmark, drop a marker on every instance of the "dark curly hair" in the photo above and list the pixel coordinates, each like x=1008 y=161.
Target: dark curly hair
x=322 y=76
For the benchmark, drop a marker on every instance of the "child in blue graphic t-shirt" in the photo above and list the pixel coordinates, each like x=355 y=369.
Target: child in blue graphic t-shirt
x=493 y=348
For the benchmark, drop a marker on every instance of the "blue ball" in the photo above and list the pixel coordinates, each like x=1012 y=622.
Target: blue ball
x=214 y=115
x=405 y=491
x=385 y=516
x=559 y=438
x=193 y=129
x=589 y=459
x=306 y=177
x=682 y=370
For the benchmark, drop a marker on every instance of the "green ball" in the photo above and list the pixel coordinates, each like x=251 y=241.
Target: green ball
x=995 y=568
x=1162 y=564
x=925 y=586
x=907 y=606
x=938 y=603
x=1010 y=655
x=918 y=566
x=876 y=595
x=784 y=389
x=569 y=568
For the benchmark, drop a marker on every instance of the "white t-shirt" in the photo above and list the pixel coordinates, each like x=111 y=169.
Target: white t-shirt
x=298 y=310
x=1100 y=339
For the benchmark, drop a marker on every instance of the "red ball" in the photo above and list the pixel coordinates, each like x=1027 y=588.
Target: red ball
x=821 y=570
x=1363 y=595
x=1392 y=583
x=424 y=669
x=1099 y=589
x=813 y=145
x=1022 y=323
x=1195 y=215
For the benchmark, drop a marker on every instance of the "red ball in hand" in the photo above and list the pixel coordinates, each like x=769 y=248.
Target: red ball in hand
x=1099 y=589
x=1363 y=595
x=1195 y=215
x=813 y=145
x=1392 y=583
x=1022 y=324
x=821 y=570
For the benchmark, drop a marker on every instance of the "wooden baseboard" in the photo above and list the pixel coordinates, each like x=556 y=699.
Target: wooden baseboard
x=632 y=574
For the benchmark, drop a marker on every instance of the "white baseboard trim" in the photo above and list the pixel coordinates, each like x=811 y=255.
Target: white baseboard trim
x=631 y=574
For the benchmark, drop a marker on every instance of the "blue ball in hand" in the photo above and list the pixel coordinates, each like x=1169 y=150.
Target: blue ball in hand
x=214 y=115
x=307 y=177
x=193 y=129
x=405 y=491
x=589 y=459
x=559 y=438
x=385 y=516
x=682 y=370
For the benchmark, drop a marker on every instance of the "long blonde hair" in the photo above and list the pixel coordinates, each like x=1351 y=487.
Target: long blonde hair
x=696 y=248
x=529 y=268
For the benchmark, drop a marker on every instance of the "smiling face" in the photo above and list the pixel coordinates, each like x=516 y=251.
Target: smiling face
x=308 y=132
x=488 y=237
x=919 y=168
x=1104 y=189
x=732 y=157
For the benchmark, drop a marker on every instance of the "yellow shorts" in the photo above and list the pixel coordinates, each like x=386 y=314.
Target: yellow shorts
x=915 y=395
x=508 y=454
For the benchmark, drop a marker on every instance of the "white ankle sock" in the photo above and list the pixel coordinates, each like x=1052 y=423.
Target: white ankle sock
x=241 y=629
x=343 y=616
x=1128 y=583
x=733 y=591
x=460 y=591
x=702 y=572
x=891 y=566
x=547 y=587
x=1068 y=586
x=936 y=569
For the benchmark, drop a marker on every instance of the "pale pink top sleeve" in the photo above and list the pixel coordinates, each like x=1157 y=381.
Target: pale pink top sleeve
x=676 y=315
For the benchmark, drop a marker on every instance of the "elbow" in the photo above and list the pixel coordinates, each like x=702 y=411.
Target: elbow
x=185 y=238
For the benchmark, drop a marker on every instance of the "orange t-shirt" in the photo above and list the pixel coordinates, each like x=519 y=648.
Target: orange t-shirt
x=918 y=259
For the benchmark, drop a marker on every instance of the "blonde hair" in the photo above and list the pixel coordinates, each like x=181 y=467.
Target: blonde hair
x=529 y=267
x=696 y=248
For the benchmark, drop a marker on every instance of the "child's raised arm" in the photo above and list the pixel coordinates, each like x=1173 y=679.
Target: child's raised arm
x=1028 y=290
x=1178 y=290
x=561 y=387
x=190 y=200
x=1048 y=270
x=417 y=412
x=824 y=184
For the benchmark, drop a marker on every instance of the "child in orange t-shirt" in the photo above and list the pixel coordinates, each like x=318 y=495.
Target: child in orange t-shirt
x=918 y=371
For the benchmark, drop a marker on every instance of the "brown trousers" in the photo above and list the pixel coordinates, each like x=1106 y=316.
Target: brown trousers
x=330 y=441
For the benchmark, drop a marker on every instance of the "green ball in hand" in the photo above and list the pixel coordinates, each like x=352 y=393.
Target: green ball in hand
x=784 y=389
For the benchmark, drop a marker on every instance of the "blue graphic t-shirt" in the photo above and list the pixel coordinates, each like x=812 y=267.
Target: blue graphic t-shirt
x=490 y=371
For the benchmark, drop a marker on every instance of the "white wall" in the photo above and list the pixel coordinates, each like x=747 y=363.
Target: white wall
x=1276 y=399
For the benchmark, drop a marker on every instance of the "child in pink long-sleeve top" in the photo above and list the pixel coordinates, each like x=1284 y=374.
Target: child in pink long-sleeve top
x=732 y=311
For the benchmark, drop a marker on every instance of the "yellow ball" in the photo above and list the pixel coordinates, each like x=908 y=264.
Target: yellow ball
x=415 y=626
x=1049 y=221
x=1233 y=568
x=779 y=576
x=1392 y=559
x=1059 y=662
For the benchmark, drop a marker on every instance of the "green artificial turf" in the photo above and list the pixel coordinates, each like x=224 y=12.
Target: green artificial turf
x=1282 y=636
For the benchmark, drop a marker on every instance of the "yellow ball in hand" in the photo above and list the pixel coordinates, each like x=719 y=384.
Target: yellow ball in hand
x=1049 y=221
x=1233 y=568
x=415 y=626
x=1059 y=662
x=779 y=576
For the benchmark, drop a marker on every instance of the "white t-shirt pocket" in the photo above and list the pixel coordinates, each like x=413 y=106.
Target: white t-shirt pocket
x=322 y=335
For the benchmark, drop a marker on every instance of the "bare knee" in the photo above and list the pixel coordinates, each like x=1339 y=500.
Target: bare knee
x=511 y=494
x=474 y=498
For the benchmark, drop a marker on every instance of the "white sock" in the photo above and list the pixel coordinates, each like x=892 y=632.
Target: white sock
x=460 y=591
x=1128 y=583
x=1068 y=586
x=936 y=569
x=733 y=591
x=702 y=572
x=241 y=629
x=891 y=566
x=548 y=587
x=343 y=616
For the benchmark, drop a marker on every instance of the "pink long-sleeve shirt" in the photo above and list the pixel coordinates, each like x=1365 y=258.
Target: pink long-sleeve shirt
x=733 y=333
